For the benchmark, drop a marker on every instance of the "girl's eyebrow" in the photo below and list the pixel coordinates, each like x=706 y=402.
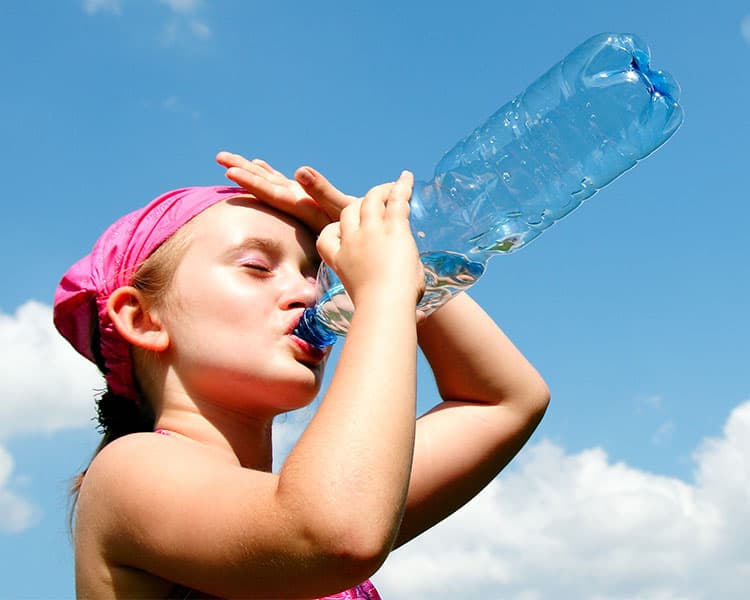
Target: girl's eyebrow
x=256 y=243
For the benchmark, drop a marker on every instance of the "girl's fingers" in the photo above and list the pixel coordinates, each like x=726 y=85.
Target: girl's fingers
x=328 y=196
x=261 y=187
x=349 y=218
x=329 y=242
x=264 y=165
x=229 y=159
x=397 y=204
x=256 y=166
x=373 y=204
x=280 y=197
x=273 y=188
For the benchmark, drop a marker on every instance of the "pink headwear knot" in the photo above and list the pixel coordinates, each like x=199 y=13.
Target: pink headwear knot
x=81 y=297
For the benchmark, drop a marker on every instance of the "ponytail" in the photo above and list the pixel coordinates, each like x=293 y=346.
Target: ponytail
x=116 y=417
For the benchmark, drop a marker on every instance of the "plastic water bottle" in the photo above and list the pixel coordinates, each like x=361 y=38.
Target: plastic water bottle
x=583 y=123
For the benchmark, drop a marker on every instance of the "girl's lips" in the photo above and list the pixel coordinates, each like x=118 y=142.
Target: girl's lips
x=311 y=353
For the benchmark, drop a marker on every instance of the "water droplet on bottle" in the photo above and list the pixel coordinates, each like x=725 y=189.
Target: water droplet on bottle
x=506 y=177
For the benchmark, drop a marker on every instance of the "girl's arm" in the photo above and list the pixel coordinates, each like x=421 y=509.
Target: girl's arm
x=493 y=399
x=331 y=516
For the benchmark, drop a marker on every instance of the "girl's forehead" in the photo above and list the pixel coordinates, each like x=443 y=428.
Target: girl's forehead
x=245 y=216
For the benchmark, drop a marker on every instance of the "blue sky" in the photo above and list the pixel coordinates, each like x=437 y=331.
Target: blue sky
x=636 y=485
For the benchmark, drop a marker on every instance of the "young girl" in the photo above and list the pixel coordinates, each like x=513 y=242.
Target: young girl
x=188 y=307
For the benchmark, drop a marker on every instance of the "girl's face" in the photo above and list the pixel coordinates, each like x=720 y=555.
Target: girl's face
x=246 y=277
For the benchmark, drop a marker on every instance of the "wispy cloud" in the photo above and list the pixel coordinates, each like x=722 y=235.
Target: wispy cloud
x=649 y=404
x=181 y=28
x=184 y=22
x=175 y=104
x=91 y=7
x=745 y=28
x=664 y=433
x=182 y=6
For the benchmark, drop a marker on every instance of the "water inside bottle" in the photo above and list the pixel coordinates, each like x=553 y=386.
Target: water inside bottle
x=447 y=274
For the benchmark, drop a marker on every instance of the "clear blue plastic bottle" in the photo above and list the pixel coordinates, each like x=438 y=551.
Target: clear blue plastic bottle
x=583 y=123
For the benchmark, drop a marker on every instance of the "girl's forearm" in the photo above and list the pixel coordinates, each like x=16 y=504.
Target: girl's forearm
x=473 y=359
x=492 y=401
x=352 y=464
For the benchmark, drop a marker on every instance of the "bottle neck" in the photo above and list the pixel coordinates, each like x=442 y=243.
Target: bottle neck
x=311 y=330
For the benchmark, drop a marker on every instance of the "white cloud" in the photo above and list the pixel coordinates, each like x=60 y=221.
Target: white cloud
x=45 y=385
x=16 y=514
x=92 y=7
x=745 y=28
x=555 y=525
x=577 y=526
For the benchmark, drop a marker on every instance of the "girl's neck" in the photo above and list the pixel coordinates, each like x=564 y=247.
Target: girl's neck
x=241 y=439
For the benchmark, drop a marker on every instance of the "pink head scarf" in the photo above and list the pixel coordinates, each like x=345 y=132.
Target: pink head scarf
x=81 y=298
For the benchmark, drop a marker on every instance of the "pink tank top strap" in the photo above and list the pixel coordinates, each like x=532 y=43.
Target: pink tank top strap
x=364 y=591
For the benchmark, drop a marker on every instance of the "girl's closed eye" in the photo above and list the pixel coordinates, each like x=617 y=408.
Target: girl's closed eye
x=257 y=265
x=255 y=262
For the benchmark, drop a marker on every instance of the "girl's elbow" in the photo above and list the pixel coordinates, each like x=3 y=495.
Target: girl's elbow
x=356 y=544
x=532 y=401
x=356 y=552
x=539 y=399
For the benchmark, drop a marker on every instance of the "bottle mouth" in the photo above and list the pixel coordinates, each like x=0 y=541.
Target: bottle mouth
x=660 y=83
x=312 y=331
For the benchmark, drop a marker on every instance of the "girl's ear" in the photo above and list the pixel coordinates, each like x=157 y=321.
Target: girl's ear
x=135 y=321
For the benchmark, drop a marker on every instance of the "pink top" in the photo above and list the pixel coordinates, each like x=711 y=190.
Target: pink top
x=363 y=591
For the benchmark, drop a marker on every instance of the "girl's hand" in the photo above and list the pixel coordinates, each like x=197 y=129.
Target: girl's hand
x=310 y=198
x=372 y=248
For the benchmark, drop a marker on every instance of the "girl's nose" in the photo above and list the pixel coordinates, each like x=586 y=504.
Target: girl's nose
x=300 y=292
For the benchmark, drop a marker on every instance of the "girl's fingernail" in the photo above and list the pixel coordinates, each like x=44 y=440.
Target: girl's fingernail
x=305 y=176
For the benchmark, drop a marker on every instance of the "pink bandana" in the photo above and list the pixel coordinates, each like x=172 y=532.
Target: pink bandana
x=81 y=298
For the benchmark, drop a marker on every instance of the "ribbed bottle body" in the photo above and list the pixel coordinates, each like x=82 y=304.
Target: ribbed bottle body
x=583 y=123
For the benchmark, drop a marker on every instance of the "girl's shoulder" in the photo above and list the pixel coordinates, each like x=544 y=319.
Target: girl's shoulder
x=138 y=471
x=146 y=458
x=139 y=496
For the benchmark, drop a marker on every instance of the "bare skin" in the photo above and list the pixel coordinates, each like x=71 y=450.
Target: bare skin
x=200 y=507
